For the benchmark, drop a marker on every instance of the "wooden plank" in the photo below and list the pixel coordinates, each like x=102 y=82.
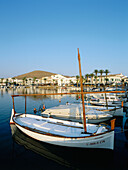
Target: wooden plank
x=48 y=94
x=13 y=105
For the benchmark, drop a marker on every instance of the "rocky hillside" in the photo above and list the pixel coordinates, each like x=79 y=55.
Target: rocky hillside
x=38 y=74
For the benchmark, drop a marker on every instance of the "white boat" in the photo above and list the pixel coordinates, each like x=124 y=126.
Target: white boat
x=109 y=97
x=64 y=133
x=74 y=112
x=61 y=132
x=69 y=157
x=45 y=150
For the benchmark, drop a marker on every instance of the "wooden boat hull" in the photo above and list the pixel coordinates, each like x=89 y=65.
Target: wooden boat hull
x=74 y=112
x=89 y=119
x=31 y=126
x=105 y=141
x=118 y=111
x=103 y=119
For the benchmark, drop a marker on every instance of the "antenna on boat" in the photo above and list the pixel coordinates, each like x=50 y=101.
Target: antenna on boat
x=82 y=95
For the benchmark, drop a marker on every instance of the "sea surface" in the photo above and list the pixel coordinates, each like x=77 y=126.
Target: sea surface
x=20 y=152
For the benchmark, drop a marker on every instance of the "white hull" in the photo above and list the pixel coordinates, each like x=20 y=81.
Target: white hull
x=89 y=119
x=105 y=141
x=118 y=111
x=74 y=112
x=65 y=133
x=98 y=120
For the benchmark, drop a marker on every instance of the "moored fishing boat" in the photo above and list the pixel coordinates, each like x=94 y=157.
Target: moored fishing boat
x=61 y=132
x=74 y=112
x=64 y=133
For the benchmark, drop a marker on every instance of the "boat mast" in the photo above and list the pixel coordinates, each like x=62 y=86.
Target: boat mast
x=82 y=95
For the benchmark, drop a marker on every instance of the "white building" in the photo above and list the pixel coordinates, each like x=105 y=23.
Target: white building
x=58 y=79
x=111 y=79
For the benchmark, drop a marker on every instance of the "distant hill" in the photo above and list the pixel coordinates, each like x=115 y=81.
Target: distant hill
x=38 y=74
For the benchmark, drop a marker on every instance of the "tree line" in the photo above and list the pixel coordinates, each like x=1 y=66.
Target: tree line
x=94 y=75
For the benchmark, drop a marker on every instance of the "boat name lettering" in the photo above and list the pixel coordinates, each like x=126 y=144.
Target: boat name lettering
x=95 y=143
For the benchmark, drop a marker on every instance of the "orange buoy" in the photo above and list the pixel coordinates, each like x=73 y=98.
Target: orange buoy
x=122 y=104
x=35 y=110
x=43 y=107
x=113 y=124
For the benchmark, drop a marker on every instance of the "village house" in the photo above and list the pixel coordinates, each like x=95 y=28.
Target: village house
x=58 y=79
x=61 y=80
x=110 y=79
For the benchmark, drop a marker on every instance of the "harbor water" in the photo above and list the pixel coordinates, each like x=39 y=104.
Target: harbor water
x=18 y=151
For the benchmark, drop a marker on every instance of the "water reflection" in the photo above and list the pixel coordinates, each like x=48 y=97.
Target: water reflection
x=37 y=101
x=35 y=146
x=126 y=127
x=31 y=154
x=69 y=157
x=34 y=90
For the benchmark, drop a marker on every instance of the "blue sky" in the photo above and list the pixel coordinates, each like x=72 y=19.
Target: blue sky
x=45 y=34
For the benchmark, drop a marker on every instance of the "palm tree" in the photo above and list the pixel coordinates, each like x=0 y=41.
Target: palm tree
x=87 y=76
x=34 y=79
x=96 y=72
x=53 y=81
x=62 y=82
x=92 y=75
x=82 y=79
x=24 y=78
x=70 y=82
x=6 y=82
x=13 y=80
x=101 y=72
x=30 y=81
x=45 y=80
x=106 y=72
x=77 y=79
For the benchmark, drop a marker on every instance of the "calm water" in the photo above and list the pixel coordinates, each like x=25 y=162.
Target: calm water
x=18 y=151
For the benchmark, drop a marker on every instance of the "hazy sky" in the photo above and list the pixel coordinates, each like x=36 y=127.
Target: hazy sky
x=45 y=34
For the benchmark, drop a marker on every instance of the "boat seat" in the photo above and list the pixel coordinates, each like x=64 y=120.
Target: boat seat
x=99 y=130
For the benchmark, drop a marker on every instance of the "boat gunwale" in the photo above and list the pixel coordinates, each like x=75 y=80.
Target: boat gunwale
x=60 y=136
x=59 y=123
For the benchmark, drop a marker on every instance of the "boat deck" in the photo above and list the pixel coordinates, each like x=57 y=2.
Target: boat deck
x=74 y=110
x=57 y=127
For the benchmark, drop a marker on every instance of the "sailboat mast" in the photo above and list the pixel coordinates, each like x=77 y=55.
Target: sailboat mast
x=82 y=95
